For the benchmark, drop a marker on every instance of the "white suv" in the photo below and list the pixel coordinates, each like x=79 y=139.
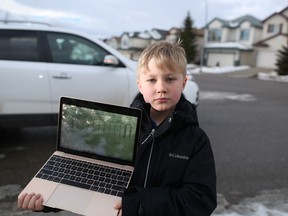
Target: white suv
x=40 y=63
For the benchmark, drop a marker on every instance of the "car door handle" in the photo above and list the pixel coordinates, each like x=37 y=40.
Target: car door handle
x=62 y=76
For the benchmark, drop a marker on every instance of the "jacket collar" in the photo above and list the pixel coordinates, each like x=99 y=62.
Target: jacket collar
x=184 y=113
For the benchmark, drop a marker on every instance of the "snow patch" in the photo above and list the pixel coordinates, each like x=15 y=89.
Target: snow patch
x=9 y=191
x=266 y=203
x=213 y=95
x=215 y=70
x=272 y=76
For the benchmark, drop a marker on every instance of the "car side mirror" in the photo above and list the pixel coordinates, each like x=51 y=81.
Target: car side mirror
x=111 y=60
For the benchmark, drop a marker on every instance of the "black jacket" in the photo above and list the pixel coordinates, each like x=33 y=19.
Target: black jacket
x=174 y=169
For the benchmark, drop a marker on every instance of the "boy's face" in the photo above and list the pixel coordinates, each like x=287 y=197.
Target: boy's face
x=161 y=88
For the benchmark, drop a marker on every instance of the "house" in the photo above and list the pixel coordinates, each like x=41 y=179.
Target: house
x=230 y=42
x=246 y=40
x=114 y=42
x=274 y=37
x=131 y=44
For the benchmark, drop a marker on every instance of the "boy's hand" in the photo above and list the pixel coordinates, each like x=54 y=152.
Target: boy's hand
x=118 y=206
x=30 y=201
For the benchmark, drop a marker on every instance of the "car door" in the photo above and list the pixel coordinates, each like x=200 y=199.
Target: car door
x=24 y=84
x=78 y=70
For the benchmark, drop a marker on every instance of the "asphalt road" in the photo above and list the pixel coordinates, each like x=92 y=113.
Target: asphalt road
x=247 y=121
x=245 y=118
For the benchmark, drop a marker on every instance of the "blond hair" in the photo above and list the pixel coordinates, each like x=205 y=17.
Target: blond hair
x=166 y=55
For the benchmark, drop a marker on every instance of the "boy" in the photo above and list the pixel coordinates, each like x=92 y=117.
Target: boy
x=174 y=171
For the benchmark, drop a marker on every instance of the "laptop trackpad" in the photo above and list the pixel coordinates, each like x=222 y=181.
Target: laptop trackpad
x=70 y=198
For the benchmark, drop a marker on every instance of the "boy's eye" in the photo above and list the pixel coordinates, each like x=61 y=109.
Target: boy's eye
x=170 y=79
x=151 y=80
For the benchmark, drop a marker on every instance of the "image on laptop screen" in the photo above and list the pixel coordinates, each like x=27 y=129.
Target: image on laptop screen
x=99 y=132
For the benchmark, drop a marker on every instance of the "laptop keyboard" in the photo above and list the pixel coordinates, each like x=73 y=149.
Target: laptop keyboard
x=95 y=177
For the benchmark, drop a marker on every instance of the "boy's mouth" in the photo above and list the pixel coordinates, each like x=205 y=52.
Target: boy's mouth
x=162 y=100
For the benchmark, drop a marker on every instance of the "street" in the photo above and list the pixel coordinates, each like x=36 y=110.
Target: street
x=245 y=118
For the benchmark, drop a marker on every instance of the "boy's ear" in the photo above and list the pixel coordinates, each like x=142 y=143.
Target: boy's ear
x=139 y=85
x=184 y=82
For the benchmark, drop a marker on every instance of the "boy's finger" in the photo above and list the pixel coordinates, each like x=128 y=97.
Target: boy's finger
x=32 y=203
x=21 y=198
x=39 y=203
x=26 y=200
x=119 y=212
x=118 y=205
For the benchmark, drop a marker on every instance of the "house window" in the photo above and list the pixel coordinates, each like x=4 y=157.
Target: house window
x=244 y=34
x=274 y=28
x=214 y=34
x=125 y=42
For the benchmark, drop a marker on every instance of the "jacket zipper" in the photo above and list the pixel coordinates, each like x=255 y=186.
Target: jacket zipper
x=150 y=135
x=150 y=155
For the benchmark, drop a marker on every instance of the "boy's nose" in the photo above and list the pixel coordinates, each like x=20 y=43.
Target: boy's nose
x=161 y=87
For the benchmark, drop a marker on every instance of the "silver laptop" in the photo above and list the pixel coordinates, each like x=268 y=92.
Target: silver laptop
x=94 y=158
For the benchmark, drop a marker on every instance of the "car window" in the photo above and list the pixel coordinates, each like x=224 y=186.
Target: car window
x=71 y=49
x=19 y=45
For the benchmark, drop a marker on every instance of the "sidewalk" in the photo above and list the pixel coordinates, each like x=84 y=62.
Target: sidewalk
x=247 y=73
x=259 y=73
x=243 y=71
x=240 y=72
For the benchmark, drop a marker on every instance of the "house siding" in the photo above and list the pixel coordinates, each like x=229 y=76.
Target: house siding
x=273 y=40
x=248 y=58
x=275 y=20
x=277 y=43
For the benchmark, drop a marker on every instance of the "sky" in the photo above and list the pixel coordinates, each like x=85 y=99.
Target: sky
x=110 y=18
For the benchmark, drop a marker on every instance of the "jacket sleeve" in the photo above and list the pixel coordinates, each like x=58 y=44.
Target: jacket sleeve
x=195 y=196
x=50 y=210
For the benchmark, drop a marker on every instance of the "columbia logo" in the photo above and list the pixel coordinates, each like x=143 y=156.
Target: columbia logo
x=183 y=157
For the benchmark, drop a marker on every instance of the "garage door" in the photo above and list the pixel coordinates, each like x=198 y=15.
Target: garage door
x=266 y=59
x=223 y=59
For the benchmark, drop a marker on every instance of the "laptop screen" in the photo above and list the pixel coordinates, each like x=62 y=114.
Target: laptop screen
x=98 y=129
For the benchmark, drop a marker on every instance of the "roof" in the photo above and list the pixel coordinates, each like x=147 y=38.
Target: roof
x=152 y=34
x=235 y=23
x=281 y=13
x=162 y=32
x=262 y=42
x=228 y=45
